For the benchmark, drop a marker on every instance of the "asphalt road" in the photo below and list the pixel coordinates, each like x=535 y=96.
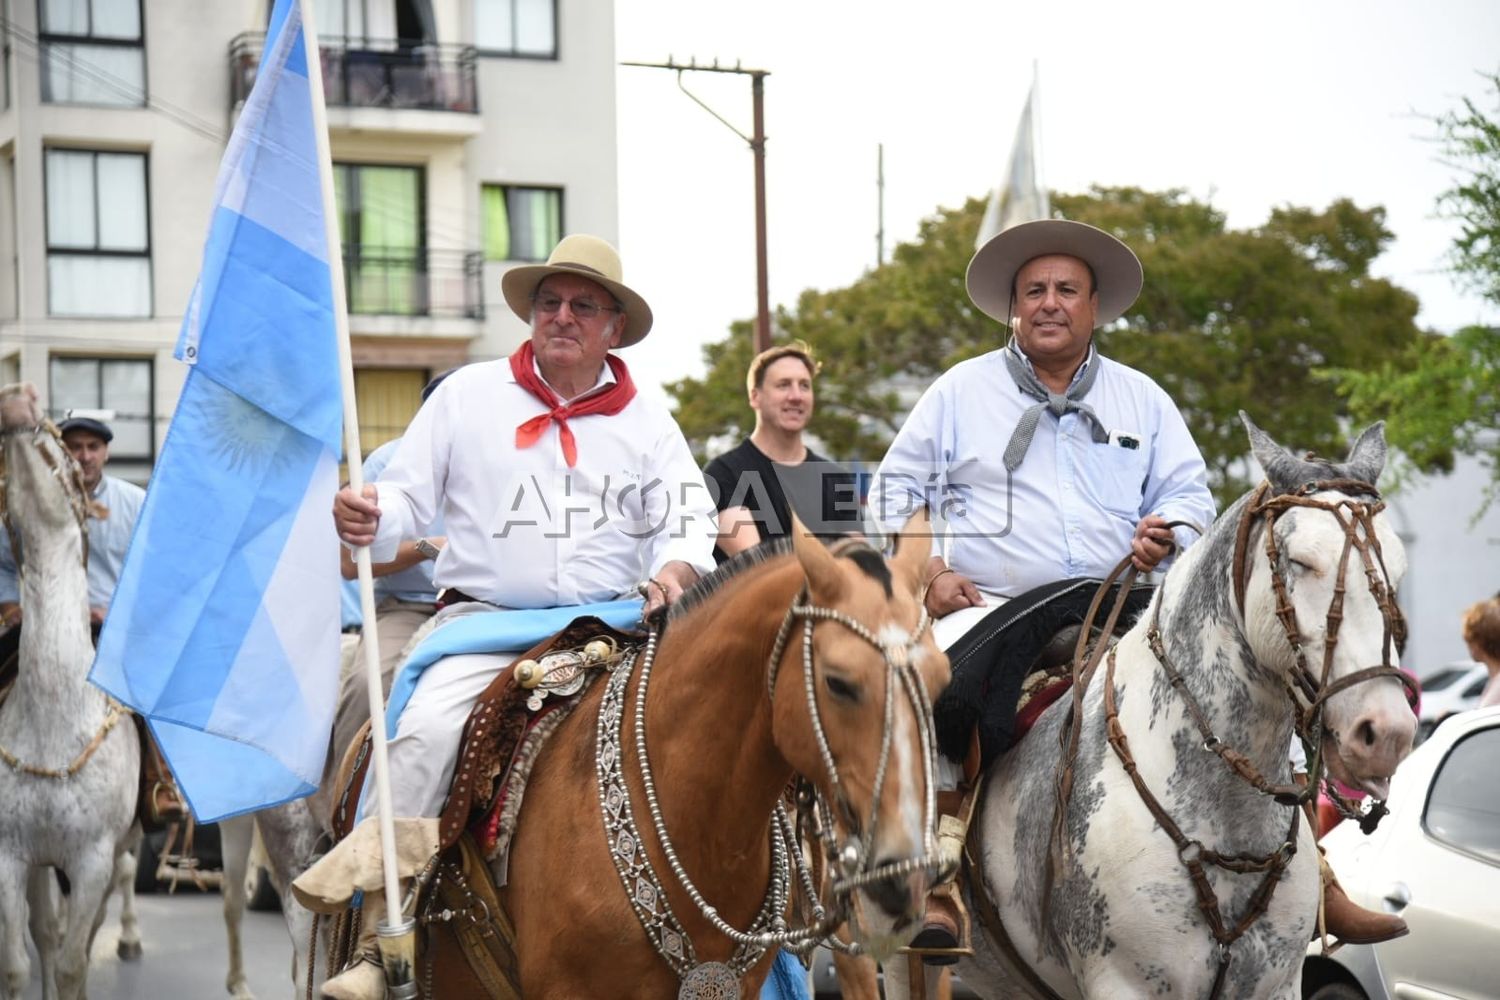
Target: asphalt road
x=186 y=957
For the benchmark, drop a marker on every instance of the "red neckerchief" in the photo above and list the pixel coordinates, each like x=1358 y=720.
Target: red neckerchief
x=609 y=402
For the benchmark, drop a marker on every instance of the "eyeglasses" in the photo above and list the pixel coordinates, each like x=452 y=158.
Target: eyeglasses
x=548 y=304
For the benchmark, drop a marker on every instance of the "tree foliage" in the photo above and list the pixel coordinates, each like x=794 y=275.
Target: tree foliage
x=1443 y=394
x=1471 y=139
x=1229 y=320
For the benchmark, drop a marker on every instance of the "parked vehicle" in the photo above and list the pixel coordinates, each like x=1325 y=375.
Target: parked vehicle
x=1453 y=687
x=1435 y=860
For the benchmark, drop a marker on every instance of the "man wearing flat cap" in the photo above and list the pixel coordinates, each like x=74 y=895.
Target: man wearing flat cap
x=1048 y=461
x=558 y=486
x=115 y=505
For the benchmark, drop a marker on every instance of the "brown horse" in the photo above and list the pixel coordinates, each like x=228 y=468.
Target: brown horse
x=732 y=716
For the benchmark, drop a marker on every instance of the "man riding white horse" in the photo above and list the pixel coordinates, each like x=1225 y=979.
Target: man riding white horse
x=1096 y=462
x=609 y=492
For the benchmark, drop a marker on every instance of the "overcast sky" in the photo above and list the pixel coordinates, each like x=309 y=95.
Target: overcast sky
x=1248 y=106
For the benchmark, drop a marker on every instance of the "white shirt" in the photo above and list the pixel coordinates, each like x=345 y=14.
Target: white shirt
x=524 y=530
x=1071 y=508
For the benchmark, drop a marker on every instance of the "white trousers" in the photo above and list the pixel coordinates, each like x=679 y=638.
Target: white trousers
x=425 y=747
x=945 y=632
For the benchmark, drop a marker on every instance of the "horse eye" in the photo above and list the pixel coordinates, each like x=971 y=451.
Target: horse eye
x=841 y=689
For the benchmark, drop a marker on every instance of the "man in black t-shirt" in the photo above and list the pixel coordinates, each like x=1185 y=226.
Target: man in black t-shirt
x=772 y=473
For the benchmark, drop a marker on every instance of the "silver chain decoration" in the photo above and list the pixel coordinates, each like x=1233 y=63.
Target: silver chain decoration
x=851 y=863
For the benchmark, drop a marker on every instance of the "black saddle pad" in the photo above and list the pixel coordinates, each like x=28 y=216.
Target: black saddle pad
x=992 y=659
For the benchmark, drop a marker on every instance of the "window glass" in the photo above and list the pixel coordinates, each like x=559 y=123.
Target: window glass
x=122 y=385
x=98 y=239
x=1463 y=807
x=521 y=223
x=385 y=262
x=122 y=201
x=70 y=199
x=93 y=74
x=1443 y=677
x=1476 y=689
x=534 y=28
x=516 y=27
x=116 y=19
x=98 y=286
x=75 y=72
x=65 y=17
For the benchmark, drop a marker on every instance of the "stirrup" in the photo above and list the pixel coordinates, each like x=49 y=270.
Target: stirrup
x=175 y=811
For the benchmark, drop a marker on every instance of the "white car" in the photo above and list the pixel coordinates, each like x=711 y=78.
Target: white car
x=1436 y=861
x=1454 y=687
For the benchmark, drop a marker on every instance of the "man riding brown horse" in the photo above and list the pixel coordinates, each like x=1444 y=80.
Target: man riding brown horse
x=506 y=453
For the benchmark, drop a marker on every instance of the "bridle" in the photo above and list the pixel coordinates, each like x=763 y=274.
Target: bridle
x=1309 y=693
x=78 y=501
x=850 y=861
x=69 y=474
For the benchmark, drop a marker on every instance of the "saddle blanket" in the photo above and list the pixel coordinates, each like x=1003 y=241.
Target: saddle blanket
x=496 y=632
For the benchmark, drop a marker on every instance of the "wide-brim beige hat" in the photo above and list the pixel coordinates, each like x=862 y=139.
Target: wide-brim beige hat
x=992 y=272
x=589 y=257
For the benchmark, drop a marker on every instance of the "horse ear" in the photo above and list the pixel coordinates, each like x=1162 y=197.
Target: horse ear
x=1367 y=457
x=818 y=564
x=913 y=549
x=1280 y=466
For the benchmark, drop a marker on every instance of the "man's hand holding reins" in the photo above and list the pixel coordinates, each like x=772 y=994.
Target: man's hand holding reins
x=667 y=585
x=948 y=590
x=356 y=517
x=1152 y=542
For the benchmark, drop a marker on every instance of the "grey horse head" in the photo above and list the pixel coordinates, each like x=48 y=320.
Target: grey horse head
x=1286 y=472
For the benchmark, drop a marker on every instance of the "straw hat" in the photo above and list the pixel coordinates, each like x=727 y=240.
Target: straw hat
x=992 y=272
x=589 y=257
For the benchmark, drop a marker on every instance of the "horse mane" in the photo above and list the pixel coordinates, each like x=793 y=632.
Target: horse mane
x=698 y=594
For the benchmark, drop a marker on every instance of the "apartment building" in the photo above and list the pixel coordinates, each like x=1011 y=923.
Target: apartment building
x=467 y=136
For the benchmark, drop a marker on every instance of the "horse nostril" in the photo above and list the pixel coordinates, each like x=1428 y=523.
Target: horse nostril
x=1366 y=733
x=891 y=895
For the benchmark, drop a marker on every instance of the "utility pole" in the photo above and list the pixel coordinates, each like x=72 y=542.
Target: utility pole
x=757 y=141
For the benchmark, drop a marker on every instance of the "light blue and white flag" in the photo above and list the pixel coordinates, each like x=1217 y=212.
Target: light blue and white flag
x=224 y=630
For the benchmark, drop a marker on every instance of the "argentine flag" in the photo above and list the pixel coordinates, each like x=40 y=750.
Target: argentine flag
x=224 y=630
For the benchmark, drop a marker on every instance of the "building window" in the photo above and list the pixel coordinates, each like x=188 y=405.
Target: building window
x=92 y=52
x=98 y=238
x=384 y=237
x=121 y=386
x=521 y=223
x=516 y=28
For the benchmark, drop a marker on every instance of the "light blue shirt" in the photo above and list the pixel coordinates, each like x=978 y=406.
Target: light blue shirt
x=109 y=539
x=415 y=582
x=1071 y=508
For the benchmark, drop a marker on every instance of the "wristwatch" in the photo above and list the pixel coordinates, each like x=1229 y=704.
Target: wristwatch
x=428 y=550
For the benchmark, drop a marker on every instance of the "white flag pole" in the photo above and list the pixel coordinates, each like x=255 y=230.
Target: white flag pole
x=369 y=640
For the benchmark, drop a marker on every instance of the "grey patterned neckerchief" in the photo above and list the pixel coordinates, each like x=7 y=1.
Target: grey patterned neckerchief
x=1028 y=383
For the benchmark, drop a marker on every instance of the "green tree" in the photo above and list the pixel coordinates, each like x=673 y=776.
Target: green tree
x=1471 y=138
x=1442 y=395
x=1229 y=319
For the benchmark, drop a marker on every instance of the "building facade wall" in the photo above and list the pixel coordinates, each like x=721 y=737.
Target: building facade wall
x=541 y=121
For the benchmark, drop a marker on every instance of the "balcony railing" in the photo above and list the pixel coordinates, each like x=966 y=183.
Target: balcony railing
x=393 y=281
x=374 y=74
